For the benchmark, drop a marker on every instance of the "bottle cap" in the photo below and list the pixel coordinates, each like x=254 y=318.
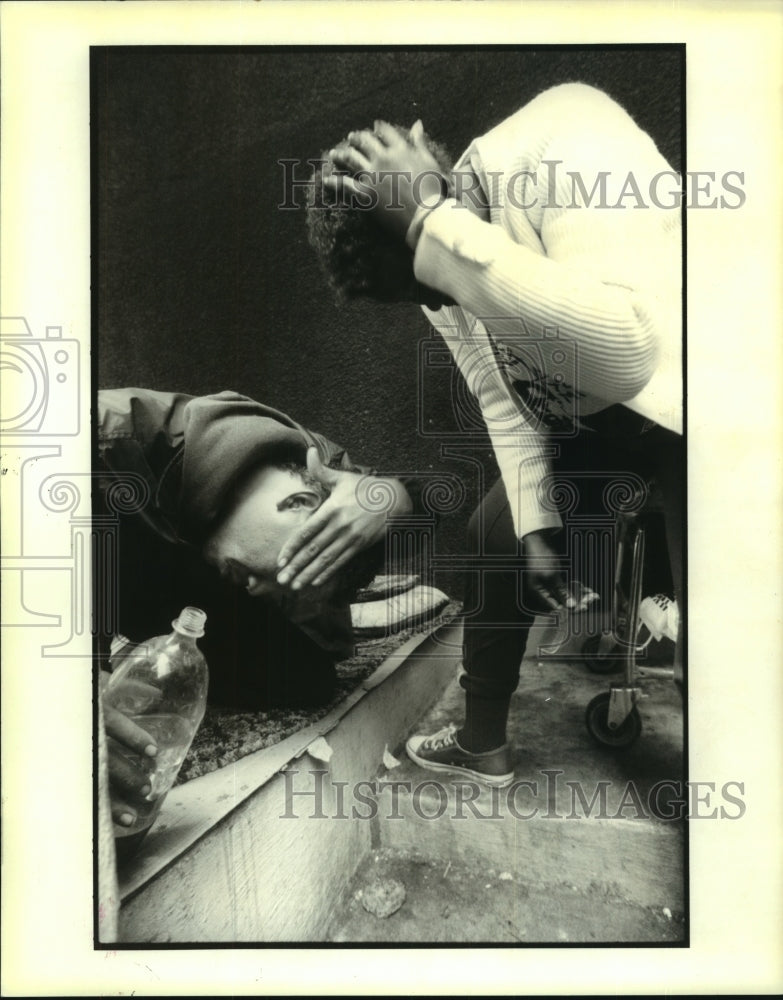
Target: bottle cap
x=191 y=622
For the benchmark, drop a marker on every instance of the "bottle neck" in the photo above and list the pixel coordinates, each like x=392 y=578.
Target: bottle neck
x=181 y=635
x=190 y=623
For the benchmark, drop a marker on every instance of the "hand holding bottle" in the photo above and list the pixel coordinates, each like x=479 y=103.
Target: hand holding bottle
x=153 y=703
x=128 y=744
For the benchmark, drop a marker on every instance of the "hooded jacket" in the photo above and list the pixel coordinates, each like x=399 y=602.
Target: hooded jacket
x=166 y=465
x=190 y=451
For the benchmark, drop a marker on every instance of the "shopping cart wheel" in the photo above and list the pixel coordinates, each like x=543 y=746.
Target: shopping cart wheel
x=599 y=653
x=597 y=720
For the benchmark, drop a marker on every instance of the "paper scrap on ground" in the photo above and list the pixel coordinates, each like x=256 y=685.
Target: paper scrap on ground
x=320 y=749
x=389 y=760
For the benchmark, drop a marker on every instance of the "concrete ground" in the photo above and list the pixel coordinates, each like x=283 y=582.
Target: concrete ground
x=454 y=902
x=586 y=847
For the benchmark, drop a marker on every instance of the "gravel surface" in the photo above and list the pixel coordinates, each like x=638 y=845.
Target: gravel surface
x=226 y=736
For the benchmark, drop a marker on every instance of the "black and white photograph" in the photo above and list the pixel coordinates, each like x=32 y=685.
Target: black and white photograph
x=425 y=484
x=369 y=516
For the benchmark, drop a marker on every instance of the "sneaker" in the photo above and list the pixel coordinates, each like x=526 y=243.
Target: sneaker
x=661 y=616
x=414 y=607
x=442 y=752
x=385 y=585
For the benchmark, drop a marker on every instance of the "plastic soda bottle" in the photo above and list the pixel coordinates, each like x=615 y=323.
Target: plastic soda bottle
x=161 y=686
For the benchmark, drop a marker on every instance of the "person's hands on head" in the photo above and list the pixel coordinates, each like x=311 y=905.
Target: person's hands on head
x=366 y=251
x=389 y=174
x=351 y=519
x=131 y=755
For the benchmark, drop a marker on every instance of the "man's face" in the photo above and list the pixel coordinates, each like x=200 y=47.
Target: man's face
x=246 y=545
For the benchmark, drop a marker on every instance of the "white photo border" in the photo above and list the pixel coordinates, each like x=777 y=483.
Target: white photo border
x=736 y=687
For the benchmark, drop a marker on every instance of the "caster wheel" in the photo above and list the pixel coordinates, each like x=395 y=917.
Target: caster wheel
x=597 y=653
x=597 y=721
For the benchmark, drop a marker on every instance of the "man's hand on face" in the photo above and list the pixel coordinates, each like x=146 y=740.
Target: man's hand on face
x=129 y=782
x=388 y=174
x=352 y=518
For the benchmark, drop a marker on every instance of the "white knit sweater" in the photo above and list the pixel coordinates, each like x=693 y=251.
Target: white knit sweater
x=573 y=294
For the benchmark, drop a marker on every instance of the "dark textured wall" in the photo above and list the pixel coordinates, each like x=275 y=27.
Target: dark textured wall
x=204 y=284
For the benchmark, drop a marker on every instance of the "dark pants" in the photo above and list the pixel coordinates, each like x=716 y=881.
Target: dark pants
x=497 y=614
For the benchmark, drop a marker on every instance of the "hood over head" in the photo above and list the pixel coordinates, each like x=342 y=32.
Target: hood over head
x=225 y=436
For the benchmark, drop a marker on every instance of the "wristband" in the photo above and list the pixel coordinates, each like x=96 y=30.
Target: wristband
x=414 y=229
x=421 y=213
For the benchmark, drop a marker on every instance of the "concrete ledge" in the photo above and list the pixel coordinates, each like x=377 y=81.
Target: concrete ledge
x=580 y=814
x=634 y=860
x=245 y=854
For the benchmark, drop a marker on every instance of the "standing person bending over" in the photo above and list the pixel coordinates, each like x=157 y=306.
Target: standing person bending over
x=555 y=281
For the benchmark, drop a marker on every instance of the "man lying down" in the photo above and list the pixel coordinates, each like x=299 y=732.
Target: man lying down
x=210 y=494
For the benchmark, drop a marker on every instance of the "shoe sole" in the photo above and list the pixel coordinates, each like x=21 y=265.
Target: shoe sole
x=386 y=586
x=410 y=609
x=492 y=780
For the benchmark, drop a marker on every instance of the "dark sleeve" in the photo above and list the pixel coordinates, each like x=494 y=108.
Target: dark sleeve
x=140 y=438
x=144 y=420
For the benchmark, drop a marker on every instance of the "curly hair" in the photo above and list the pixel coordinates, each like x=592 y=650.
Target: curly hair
x=358 y=255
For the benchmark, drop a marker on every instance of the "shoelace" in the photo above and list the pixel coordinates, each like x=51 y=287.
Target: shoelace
x=443 y=738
